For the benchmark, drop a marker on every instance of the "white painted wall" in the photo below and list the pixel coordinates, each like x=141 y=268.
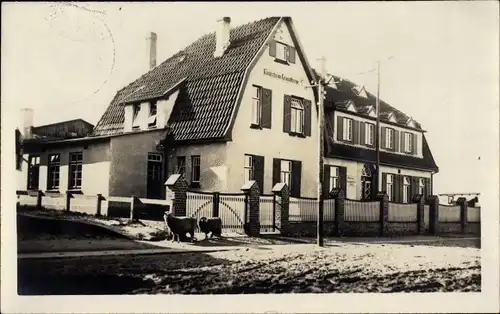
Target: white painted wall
x=274 y=143
x=419 y=135
x=355 y=168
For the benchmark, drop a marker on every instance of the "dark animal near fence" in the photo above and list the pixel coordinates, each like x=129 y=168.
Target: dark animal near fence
x=211 y=225
x=179 y=226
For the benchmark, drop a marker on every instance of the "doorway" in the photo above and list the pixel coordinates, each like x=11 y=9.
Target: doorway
x=366 y=183
x=155 y=176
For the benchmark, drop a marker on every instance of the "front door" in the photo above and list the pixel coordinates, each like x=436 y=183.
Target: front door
x=366 y=183
x=155 y=176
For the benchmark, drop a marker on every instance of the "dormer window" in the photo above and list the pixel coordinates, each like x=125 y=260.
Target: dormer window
x=152 y=114
x=135 y=119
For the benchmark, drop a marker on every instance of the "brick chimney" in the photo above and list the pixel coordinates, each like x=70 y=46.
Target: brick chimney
x=222 y=36
x=26 y=122
x=152 y=39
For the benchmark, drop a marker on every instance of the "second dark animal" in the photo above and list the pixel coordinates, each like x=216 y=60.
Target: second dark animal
x=211 y=225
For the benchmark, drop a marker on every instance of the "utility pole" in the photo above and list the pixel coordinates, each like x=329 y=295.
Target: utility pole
x=377 y=132
x=321 y=122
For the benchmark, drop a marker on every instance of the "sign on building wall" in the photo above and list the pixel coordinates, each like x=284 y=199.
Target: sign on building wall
x=351 y=180
x=282 y=77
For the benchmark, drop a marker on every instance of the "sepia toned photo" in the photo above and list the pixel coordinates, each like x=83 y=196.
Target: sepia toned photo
x=195 y=149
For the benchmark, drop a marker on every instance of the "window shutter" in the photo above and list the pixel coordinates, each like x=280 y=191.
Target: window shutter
x=343 y=179
x=296 y=178
x=384 y=183
x=403 y=142
x=414 y=186
x=383 y=143
x=340 y=128
x=355 y=132
x=399 y=189
x=272 y=48
x=362 y=133
x=414 y=144
x=396 y=140
x=326 y=182
x=258 y=167
x=267 y=110
x=287 y=112
x=428 y=187
x=276 y=171
x=291 y=54
x=307 y=117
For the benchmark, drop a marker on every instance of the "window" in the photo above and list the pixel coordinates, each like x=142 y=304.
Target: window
x=406 y=190
x=249 y=170
x=347 y=130
x=181 y=165
x=421 y=186
x=369 y=133
x=286 y=172
x=408 y=142
x=281 y=51
x=33 y=172
x=389 y=186
x=256 y=105
x=154 y=166
x=53 y=171
x=135 y=120
x=152 y=114
x=195 y=168
x=75 y=171
x=389 y=138
x=334 y=177
x=297 y=114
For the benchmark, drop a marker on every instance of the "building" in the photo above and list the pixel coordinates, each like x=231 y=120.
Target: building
x=233 y=106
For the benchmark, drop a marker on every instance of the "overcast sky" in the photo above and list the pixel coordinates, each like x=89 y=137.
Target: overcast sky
x=67 y=62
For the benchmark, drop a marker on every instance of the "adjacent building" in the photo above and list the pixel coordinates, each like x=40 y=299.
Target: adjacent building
x=231 y=107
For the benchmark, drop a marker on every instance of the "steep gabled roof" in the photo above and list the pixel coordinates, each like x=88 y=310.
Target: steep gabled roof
x=346 y=90
x=209 y=93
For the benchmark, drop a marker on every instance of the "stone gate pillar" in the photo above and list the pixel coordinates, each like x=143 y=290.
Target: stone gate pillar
x=252 y=223
x=178 y=185
x=282 y=191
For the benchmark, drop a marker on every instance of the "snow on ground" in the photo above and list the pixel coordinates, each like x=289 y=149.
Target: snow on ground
x=310 y=269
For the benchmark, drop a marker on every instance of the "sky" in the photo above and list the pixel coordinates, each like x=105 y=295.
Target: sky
x=67 y=61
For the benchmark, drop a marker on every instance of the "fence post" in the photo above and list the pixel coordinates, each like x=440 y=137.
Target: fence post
x=178 y=185
x=251 y=188
x=68 y=201
x=282 y=191
x=420 y=201
x=98 y=209
x=433 y=202
x=215 y=204
x=339 y=195
x=384 y=213
x=462 y=201
x=39 y=195
x=133 y=204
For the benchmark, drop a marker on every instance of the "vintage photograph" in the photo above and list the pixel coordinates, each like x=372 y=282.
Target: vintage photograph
x=224 y=148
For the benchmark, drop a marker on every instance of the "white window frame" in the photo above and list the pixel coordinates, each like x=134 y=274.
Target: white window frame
x=347 y=129
x=152 y=114
x=406 y=190
x=281 y=51
x=73 y=173
x=297 y=116
x=286 y=172
x=54 y=167
x=256 y=105
x=248 y=168
x=408 y=142
x=389 y=138
x=334 y=177
x=195 y=162
x=421 y=186
x=369 y=134
x=388 y=186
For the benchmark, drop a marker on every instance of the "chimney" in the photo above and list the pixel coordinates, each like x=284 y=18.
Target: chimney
x=26 y=122
x=222 y=35
x=152 y=49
